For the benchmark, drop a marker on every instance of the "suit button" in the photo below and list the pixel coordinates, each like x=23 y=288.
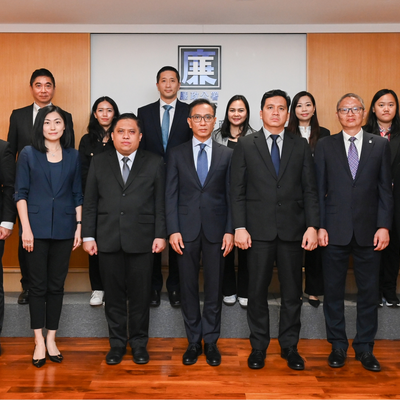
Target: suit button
x=122 y=213
x=279 y=204
x=279 y=186
x=123 y=194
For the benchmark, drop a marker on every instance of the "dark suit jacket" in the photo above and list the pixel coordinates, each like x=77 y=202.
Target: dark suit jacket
x=189 y=206
x=52 y=213
x=127 y=216
x=356 y=207
x=8 y=211
x=180 y=132
x=20 y=130
x=268 y=205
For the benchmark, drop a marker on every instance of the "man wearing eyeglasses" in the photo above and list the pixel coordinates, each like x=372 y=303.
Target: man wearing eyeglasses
x=355 y=196
x=199 y=227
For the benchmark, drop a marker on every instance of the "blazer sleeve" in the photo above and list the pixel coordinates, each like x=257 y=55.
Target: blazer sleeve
x=320 y=170
x=22 y=176
x=159 y=197
x=85 y=160
x=172 y=195
x=7 y=180
x=90 y=203
x=12 y=136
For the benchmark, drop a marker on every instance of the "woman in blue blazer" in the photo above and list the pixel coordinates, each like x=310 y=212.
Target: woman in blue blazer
x=48 y=193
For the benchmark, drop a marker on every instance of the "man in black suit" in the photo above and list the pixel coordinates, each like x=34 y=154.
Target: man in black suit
x=164 y=127
x=8 y=210
x=42 y=85
x=124 y=222
x=275 y=215
x=355 y=196
x=199 y=225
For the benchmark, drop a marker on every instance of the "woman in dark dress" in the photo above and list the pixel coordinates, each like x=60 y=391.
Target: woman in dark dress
x=96 y=141
x=303 y=121
x=236 y=124
x=384 y=120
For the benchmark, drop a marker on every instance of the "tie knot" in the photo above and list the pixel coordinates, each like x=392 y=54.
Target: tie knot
x=274 y=138
x=352 y=139
x=167 y=107
x=125 y=160
x=202 y=146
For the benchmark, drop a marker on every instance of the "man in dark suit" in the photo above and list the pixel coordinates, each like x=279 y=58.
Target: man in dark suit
x=199 y=224
x=7 y=210
x=124 y=222
x=355 y=196
x=275 y=215
x=164 y=127
x=42 y=85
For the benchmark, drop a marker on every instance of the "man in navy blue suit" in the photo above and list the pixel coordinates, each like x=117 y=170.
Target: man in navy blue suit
x=199 y=225
x=356 y=203
x=164 y=126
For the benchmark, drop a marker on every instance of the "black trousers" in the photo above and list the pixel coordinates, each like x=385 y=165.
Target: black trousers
x=94 y=273
x=389 y=267
x=313 y=272
x=230 y=285
x=23 y=265
x=127 y=285
x=366 y=271
x=173 y=276
x=261 y=257
x=207 y=324
x=1 y=286
x=48 y=267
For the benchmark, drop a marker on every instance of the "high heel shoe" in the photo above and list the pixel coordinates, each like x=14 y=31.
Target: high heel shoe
x=57 y=359
x=38 y=363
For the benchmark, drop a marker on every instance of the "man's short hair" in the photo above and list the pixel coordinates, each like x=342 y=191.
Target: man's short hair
x=126 y=116
x=354 y=96
x=275 y=93
x=42 y=72
x=168 y=68
x=202 y=101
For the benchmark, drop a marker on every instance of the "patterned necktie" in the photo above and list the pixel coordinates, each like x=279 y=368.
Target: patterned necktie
x=353 y=157
x=276 y=159
x=202 y=164
x=125 y=169
x=165 y=126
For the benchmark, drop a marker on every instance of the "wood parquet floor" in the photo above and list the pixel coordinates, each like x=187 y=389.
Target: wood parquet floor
x=84 y=374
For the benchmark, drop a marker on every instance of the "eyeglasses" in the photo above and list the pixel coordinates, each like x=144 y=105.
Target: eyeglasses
x=207 y=118
x=354 y=110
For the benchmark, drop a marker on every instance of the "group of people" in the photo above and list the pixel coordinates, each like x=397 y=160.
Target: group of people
x=168 y=174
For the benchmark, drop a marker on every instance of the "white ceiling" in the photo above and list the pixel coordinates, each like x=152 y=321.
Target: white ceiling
x=198 y=12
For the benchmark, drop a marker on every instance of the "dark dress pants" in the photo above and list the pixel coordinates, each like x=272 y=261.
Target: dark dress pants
x=206 y=325
x=23 y=265
x=313 y=272
x=94 y=273
x=48 y=267
x=366 y=271
x=230 y=285
x=1 y=286
x=173 y=275
x=261 y=257
x=127 y=286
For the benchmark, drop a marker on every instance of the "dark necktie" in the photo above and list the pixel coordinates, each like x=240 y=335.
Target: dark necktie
x=165 y=126
x=202 y=164
x=125 y=169
x=276 y=159
x=353 y=157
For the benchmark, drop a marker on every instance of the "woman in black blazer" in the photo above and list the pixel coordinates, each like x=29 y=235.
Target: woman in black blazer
x=48 y=193
x=384 y=120
x=303 y=121
x=96 y=141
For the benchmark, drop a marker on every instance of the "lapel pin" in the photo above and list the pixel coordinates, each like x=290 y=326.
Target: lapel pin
x=370 y=140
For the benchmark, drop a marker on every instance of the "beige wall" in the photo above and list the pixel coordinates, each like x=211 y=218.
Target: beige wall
x=67 y=56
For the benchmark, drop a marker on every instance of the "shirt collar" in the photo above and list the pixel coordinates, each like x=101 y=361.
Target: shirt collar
x=36 y=108
x=268 y=133
x=359 y=135
x=196 y=142
x=163 y=103
x=131 y=156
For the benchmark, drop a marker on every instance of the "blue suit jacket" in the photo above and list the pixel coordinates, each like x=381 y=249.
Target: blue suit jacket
x=51 y=216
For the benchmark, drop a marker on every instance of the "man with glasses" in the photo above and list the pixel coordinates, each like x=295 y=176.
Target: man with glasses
x=355 y=196
x=199 y=227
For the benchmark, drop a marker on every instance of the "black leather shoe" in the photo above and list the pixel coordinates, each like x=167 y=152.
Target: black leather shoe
x=337 y=358
x=174 y=298
x=294 y=360
x=140 y=355
x=155 y=298
x=256 y=359
x=23 y=298
x=115 y=355
x=191 y=354
x=213 y=356
x=368 y=361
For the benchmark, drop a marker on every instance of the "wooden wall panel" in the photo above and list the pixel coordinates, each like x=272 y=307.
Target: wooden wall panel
x=67 y=56
x=339 y=63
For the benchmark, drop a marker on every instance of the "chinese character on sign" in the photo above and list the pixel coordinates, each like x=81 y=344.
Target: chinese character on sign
x=184 y=96
x=200 y=67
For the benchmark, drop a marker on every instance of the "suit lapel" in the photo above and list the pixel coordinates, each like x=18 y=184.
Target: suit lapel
x=262 y=147
x=189 y=160
x=394 y=146
x=155 y=115
x=288 y=144
x=215 y=161
x=137 y=165
x=340 y=152
x=42 y=159
x=115 y=168
x=177 y=116
x=367 y=146
x=65 y=167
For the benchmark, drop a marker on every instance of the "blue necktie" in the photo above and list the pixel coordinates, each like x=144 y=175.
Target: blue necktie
x=202 y=164
x=276 y=159
x=165 y=126
x=353 y=157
